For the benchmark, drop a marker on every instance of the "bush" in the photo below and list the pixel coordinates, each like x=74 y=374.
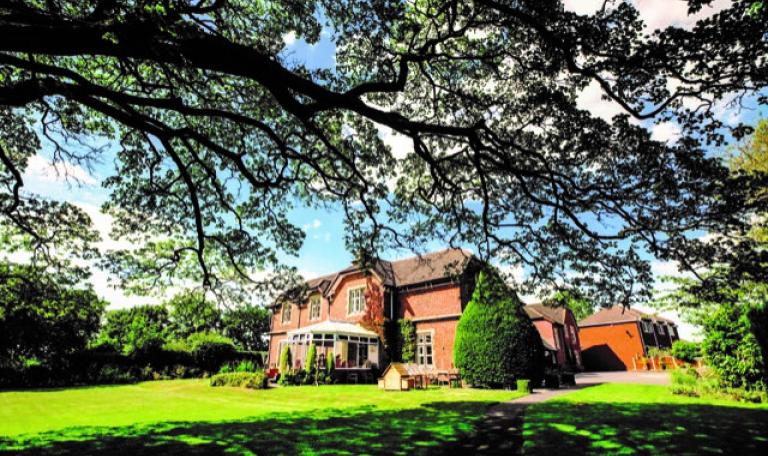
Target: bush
x=731 y=348
x=114 y=374
x=252 y=380
x=407 y=341
x=684 y=382
x=285 y=363
x=311 y=359
x=686 y=351
x=496 y=343
x=242 y=366
x=209 y=350
x=524 y=386
x=330 y=364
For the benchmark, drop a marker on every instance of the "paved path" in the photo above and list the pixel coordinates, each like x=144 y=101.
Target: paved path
x=646 y=378
x=501 y=432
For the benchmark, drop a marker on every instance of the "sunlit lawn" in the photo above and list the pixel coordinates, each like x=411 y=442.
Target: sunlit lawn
x=643 y=419
x=189 y=417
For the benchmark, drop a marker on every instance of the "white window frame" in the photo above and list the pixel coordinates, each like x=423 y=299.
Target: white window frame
x=315 y=300
x=431 y=344
x=350 y=309
x=286 y=313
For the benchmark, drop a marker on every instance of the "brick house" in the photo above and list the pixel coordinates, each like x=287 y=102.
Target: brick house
x=559 y=332
x=430 y=290
x=612 y=337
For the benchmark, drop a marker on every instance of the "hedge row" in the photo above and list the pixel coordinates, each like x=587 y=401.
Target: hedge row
x=108 y=367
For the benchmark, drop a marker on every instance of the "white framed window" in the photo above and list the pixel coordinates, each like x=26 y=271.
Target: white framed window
x=424 y=348
x=355 y=300
x=314 y=307
x=286 y=313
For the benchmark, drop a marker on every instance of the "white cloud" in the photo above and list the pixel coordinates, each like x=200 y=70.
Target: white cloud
x=41 y=169
x=657 y=14
x=660 y=14
x=666 y=132
x=289 y=38
x=591 y=99
x=105 y=289
x=583 y=6
x=400 y=145
x=315 y=224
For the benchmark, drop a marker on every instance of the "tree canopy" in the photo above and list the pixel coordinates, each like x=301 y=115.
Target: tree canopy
x=43 y=318
x=219 y=132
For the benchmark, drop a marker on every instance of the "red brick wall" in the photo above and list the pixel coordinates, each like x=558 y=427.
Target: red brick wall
x=274 y=354
x=438 y=301
x=443 y=336
x=341 y=295
x=545 y=331
x=572 y=337
x=610 y=347
x=300 y=314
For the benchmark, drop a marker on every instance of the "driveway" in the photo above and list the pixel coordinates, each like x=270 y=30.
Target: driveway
x=641 y=377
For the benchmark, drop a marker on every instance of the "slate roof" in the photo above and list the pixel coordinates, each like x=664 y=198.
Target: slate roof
x=620 y=314
x=410 y=271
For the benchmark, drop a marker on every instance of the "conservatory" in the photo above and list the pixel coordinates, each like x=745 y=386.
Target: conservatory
x=352 y=346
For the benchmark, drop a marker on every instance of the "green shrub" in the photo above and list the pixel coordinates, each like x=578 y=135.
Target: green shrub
x=496 y=343
x=656 y=351
x=684 y=382
x=524 y=386
x=210 y=349
x=731 y=349
x=252 y=380
x=330 y=363
x=686 y=351
x=245 y=365
x=407 y=340
x=114 y=374
x=311 y=360
x=285 y=363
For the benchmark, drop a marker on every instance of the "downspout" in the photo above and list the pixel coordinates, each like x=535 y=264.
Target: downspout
x=392 y=304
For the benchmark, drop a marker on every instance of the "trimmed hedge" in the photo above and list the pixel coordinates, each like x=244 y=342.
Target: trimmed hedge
x=252 y=380
x=496 y=343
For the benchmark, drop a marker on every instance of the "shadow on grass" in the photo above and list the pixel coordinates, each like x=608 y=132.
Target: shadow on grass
x=631 y=428
x=432 y=428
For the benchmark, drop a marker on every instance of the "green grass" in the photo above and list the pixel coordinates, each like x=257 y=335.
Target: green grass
x=643 y=419
x=189 y=417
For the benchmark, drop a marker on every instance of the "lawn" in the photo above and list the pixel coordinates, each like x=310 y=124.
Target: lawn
x=189 y=417
x=643 y=419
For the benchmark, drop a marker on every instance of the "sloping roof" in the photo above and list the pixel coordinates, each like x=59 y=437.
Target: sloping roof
x=408 y=271
x=545 y=312
x=430 y=266
x=334 y=327
x=320 y=283
x=547 y=345
x=620 y=314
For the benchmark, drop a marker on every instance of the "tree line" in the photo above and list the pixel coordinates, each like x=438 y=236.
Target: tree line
x=57 y=331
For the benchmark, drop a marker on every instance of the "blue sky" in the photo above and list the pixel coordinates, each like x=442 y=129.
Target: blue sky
x=323 y=250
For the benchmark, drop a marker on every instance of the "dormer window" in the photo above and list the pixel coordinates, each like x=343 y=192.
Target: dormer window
x=286 y=313
x=314 y=307
x=647 y=326
x=356 y=301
